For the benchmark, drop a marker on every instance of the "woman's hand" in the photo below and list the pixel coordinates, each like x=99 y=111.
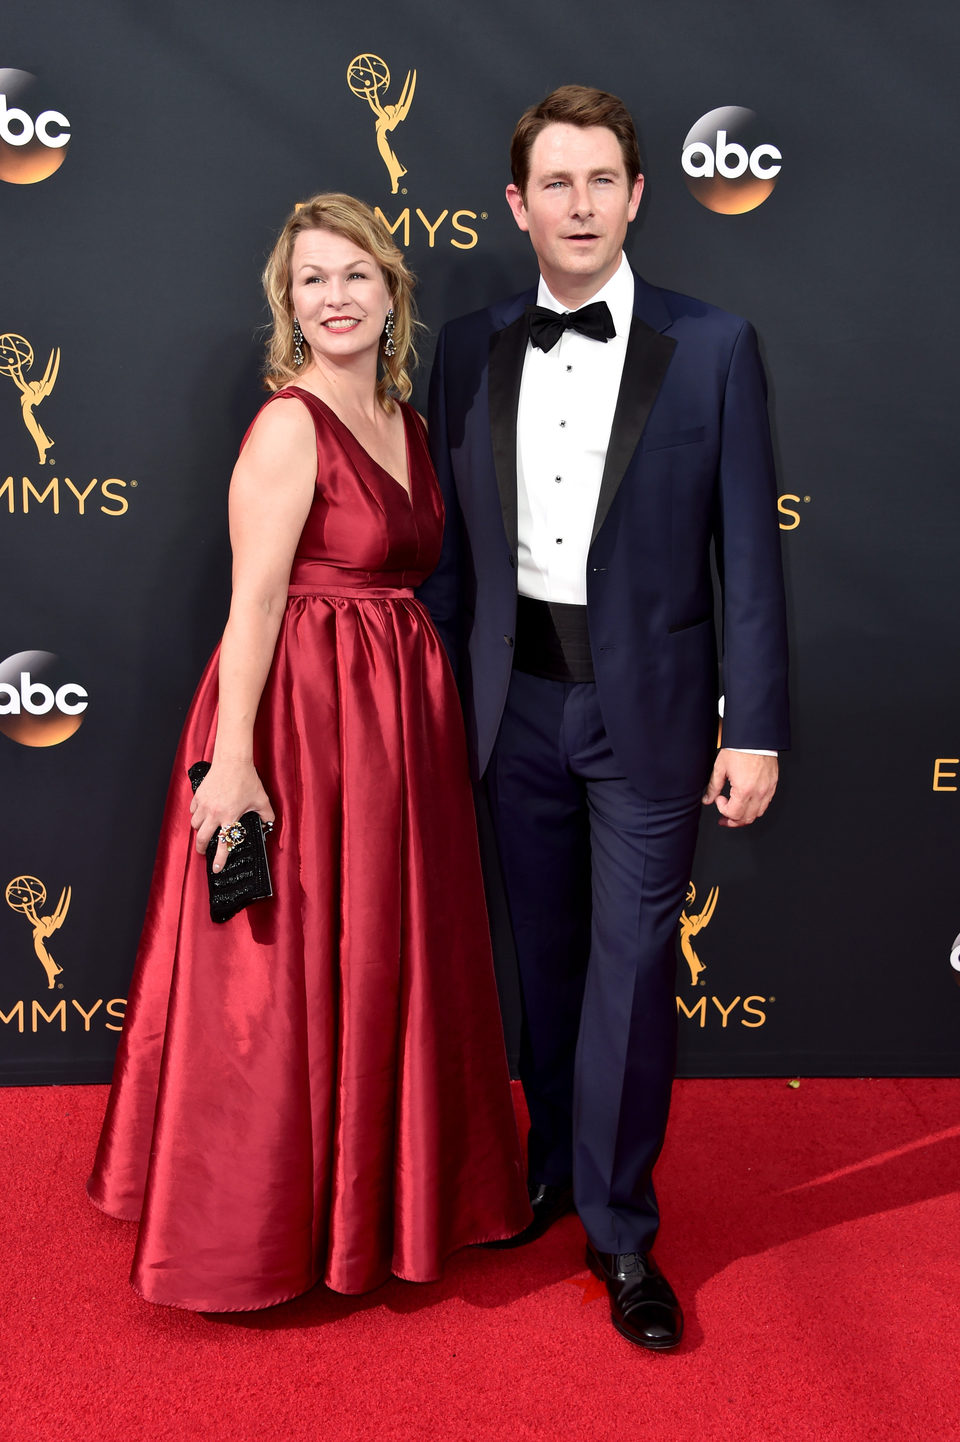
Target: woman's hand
x=228 y=791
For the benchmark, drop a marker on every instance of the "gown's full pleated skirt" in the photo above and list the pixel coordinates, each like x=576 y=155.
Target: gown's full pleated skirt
x=316 y=1090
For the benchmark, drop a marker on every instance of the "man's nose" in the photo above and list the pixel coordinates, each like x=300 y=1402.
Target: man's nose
x=581 y=203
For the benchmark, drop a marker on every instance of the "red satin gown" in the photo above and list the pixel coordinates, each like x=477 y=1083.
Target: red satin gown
x=317 y=1089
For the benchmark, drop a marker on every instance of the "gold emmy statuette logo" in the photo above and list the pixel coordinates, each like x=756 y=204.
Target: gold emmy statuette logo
x=692 y=925
x=368 y=77
x=27 y=895
x=16 y=356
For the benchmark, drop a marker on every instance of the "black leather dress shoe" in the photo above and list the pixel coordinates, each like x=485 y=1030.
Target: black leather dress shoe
x=643 y=1305
x=550 y=1202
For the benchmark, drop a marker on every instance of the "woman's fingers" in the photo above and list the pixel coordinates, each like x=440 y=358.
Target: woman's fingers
x=220 y=859
x=208 y=819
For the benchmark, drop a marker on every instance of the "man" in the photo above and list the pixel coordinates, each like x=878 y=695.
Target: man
x=588 y=461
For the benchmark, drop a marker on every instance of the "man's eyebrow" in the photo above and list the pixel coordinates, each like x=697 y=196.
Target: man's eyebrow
x=566 y=174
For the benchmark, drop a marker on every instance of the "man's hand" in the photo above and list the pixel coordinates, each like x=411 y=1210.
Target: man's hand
x=753 y=780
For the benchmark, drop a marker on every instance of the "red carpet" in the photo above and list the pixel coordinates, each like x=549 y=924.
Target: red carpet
x=813 y=1235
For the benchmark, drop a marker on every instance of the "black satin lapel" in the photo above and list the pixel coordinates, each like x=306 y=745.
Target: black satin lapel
x=507 y=350
x=648 y=355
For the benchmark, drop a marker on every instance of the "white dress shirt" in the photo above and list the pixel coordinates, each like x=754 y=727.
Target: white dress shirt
x=567 y=399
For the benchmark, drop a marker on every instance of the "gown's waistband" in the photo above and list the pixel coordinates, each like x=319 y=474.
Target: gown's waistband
x=316 y=578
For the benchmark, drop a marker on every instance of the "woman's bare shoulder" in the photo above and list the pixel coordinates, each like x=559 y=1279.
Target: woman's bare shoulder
x=283 y=420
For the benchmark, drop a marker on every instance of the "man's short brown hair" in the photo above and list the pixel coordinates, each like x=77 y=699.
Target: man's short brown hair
x=580 y=105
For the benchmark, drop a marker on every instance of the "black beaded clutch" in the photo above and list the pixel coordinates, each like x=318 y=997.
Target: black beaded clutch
x=246 y=875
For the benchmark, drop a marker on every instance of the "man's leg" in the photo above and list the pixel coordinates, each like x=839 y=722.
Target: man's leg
x=541 y=824
x=642 y=852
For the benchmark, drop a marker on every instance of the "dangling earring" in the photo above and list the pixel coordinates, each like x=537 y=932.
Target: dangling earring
x=297 y=343
x=389 y=347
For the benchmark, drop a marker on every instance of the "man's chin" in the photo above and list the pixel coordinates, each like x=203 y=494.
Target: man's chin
x=575 y=262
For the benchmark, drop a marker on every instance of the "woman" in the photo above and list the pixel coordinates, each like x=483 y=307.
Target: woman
x=316 y=1089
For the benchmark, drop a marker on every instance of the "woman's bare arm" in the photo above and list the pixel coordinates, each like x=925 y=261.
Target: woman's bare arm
x=270 y=495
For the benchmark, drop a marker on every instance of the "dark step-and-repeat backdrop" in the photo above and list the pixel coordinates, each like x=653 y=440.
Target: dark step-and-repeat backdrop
x=799 y=164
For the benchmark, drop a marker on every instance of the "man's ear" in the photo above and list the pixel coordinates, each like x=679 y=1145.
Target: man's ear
x=515 y=202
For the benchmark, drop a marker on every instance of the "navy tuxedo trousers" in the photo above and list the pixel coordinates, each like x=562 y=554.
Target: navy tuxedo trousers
x=595 y=876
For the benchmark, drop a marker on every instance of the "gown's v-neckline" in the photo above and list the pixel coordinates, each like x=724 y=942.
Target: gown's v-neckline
x=406 y=489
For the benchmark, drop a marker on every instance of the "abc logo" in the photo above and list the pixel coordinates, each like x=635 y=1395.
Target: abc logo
x=39 y=706
x=727 y=164
x=33 y=139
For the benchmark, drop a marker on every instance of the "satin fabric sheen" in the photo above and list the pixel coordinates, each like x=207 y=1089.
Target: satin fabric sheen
x=317 y=1089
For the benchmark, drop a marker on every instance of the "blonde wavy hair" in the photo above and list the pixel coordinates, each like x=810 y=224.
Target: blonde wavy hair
x=355 y=221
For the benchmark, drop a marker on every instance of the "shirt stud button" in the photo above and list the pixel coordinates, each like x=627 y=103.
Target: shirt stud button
x=563 y=423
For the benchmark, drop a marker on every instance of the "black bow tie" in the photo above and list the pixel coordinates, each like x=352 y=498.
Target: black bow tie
x=547 y=326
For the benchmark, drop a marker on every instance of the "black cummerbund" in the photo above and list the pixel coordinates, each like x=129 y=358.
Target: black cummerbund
x=552 y=641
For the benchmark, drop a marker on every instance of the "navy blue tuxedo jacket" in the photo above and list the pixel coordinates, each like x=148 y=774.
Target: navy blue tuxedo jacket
x=689 y=463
